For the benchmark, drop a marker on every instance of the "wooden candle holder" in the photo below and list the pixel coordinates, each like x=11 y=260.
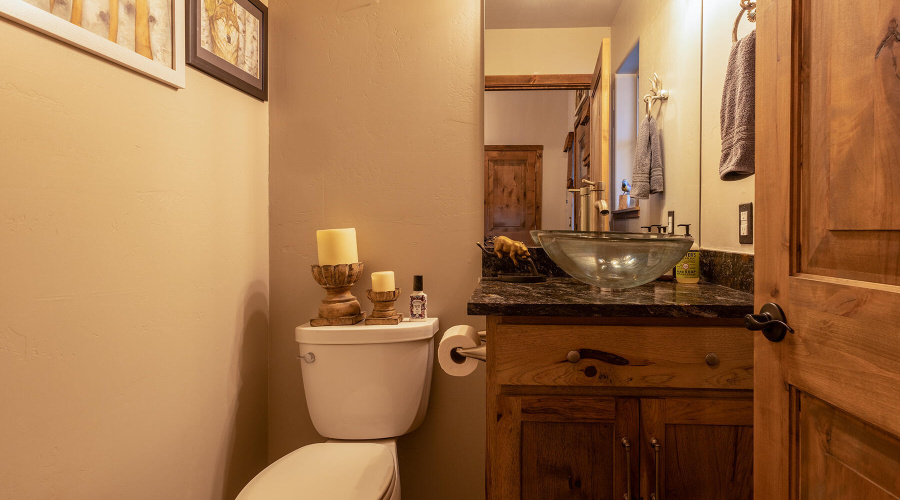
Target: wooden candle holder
x=339 y=307
x=383 y=312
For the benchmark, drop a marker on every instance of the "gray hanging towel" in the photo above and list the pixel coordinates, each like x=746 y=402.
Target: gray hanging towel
x=647 y=171
x=737 y=113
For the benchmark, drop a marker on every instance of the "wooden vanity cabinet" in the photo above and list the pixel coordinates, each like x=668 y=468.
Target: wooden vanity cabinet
x=563 y=396
x=564 y=447
x=703 y=448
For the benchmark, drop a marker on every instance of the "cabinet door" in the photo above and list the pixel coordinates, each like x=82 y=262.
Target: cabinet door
x=697 y=449
x=562 y=447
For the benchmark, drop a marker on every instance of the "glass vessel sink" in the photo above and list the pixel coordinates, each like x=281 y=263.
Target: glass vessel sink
x=613 y=260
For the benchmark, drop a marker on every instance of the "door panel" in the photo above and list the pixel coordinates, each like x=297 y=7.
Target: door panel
x=843 y=458
x=849 y=220
x=508 y=192
x=828 y=157
x=860 y=107
x=512 y=190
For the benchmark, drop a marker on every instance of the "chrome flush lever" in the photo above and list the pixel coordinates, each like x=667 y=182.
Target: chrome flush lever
x=308 y=357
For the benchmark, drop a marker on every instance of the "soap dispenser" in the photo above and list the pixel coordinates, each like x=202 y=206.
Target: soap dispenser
x=688 y=268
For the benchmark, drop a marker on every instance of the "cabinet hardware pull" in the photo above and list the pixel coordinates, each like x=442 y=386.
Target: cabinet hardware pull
x=627 y=445
x=656 y=446
x=602 y=356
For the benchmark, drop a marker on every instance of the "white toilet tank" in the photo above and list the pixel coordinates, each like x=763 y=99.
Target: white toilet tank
x=367 y=382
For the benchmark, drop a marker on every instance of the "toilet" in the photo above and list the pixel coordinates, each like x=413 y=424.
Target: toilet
x=365 y=386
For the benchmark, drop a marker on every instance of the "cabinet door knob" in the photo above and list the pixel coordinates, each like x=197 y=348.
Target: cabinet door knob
x=712 y=359
x=573 y=357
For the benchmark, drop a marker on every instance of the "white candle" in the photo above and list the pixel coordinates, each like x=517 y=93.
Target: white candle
x=337 y=246
x=383 y=281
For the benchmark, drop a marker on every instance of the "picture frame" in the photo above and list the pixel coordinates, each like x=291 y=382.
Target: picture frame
x=228 y=40
x=52 y=25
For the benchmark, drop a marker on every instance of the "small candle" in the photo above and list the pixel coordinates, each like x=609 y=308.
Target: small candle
x=337 y=246
x=383 y=281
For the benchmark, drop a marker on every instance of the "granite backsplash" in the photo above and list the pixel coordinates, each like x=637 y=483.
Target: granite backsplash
x=734 y=270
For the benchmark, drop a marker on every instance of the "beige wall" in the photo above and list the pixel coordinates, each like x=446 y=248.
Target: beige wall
x=376 y=123
x=542 y=51
x=720 y=199
x=539 y=117
x=133 y=257
x=670 y=36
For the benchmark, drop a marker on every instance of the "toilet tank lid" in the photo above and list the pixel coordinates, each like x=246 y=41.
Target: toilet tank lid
x=346 y=471
x=360 y=333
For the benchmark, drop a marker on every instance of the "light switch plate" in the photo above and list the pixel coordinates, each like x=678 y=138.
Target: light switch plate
x=745 y=223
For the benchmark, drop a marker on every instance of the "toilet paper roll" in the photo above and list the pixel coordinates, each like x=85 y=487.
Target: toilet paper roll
x=451 y=362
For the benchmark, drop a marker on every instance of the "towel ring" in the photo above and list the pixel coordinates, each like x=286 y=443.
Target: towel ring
x=748 y=6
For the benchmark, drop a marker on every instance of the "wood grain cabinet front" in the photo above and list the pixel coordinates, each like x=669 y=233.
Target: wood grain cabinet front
x=704 y=357
x=557 y=447
x=619 y=412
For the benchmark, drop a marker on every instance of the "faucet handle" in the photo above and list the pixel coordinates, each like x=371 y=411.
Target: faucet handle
x=687 y=229
x=648 y=228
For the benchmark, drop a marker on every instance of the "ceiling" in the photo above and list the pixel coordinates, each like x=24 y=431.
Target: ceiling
x=518 y=14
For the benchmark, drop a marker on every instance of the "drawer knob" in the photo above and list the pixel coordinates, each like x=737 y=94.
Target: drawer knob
x=712 y=359
x=573 y=357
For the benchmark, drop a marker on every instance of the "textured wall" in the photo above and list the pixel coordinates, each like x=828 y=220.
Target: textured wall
x=376 y=123
x=542 y=51
x=720 y=199
x=133 y=262
x=541 y=118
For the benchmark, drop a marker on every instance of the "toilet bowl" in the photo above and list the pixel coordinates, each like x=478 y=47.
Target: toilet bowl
x=345 y=471
x=364 y=387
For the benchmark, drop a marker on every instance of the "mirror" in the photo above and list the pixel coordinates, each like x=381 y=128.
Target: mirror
x=564 y=102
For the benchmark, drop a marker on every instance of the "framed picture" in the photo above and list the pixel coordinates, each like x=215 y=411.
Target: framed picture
x=227 y=39
x=144 y=35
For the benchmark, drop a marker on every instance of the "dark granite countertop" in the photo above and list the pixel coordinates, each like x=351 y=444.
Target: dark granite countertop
x=572 y=298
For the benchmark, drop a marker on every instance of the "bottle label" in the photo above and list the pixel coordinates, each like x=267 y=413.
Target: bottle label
x=418 y=307
x=688 y=267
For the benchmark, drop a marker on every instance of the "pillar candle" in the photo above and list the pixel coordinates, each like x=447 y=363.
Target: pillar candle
x=383 y=281
x=337 y=246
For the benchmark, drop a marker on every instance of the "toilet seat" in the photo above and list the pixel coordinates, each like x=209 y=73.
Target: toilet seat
x=333 y=471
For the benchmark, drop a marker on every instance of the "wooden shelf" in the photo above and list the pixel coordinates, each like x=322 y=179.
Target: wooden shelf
x=628 y=213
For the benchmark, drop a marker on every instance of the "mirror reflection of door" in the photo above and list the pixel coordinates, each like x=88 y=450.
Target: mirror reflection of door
x=512 y=190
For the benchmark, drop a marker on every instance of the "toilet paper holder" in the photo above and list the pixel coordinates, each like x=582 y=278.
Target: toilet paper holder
x=479 y=352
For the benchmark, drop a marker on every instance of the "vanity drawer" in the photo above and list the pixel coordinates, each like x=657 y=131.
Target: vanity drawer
x=707 y=357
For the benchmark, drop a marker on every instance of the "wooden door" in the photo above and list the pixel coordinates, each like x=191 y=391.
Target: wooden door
x=583 y=143
x=697 y=448
x=512 y=190
x=601 y=131
x=827 y=408
x=564 y=447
